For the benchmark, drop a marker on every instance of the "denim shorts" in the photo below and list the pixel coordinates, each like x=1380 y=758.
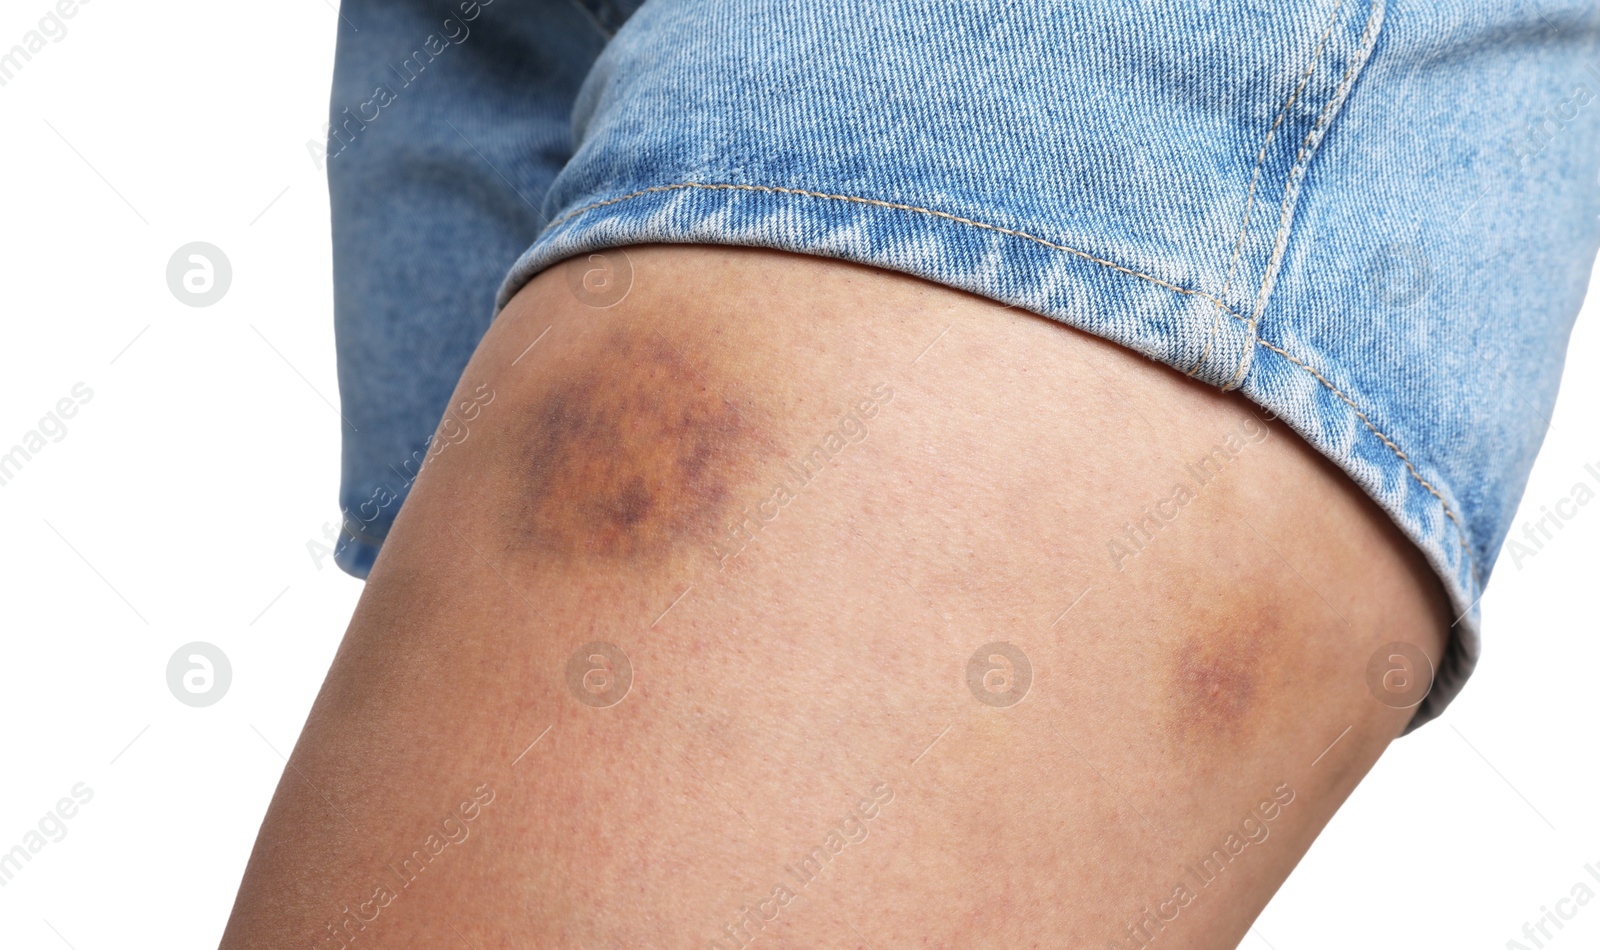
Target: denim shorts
x=1373 y=218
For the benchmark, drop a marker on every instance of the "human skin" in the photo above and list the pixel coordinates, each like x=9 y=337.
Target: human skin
x=823 y=669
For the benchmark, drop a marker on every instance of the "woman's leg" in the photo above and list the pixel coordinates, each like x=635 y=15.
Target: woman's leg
x=921 y=622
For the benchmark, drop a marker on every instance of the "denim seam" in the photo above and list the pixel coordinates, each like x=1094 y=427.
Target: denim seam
x=1461 y=531
x=717 y=186
x=1461 y=534
x=1255 y=177
x=1285 y=212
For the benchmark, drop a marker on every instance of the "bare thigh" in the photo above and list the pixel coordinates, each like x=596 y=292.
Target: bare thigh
x=795 y=603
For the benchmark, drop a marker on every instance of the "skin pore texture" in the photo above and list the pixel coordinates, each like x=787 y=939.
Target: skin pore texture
x=788 y=603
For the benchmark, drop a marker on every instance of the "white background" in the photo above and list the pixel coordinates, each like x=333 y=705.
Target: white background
x=179 y=505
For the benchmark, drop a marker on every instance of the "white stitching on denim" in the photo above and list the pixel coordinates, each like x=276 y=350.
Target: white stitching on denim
x=1282 y=244
x=1461 y=531
x=1461 y=534
x=898 y=207
x=1255 y=176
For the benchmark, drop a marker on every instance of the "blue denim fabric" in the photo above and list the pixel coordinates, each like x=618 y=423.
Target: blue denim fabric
x=448 y=122
x=1374 y=219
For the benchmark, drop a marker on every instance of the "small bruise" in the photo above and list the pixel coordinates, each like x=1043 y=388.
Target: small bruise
x=632 y=456
x=1222 y=678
